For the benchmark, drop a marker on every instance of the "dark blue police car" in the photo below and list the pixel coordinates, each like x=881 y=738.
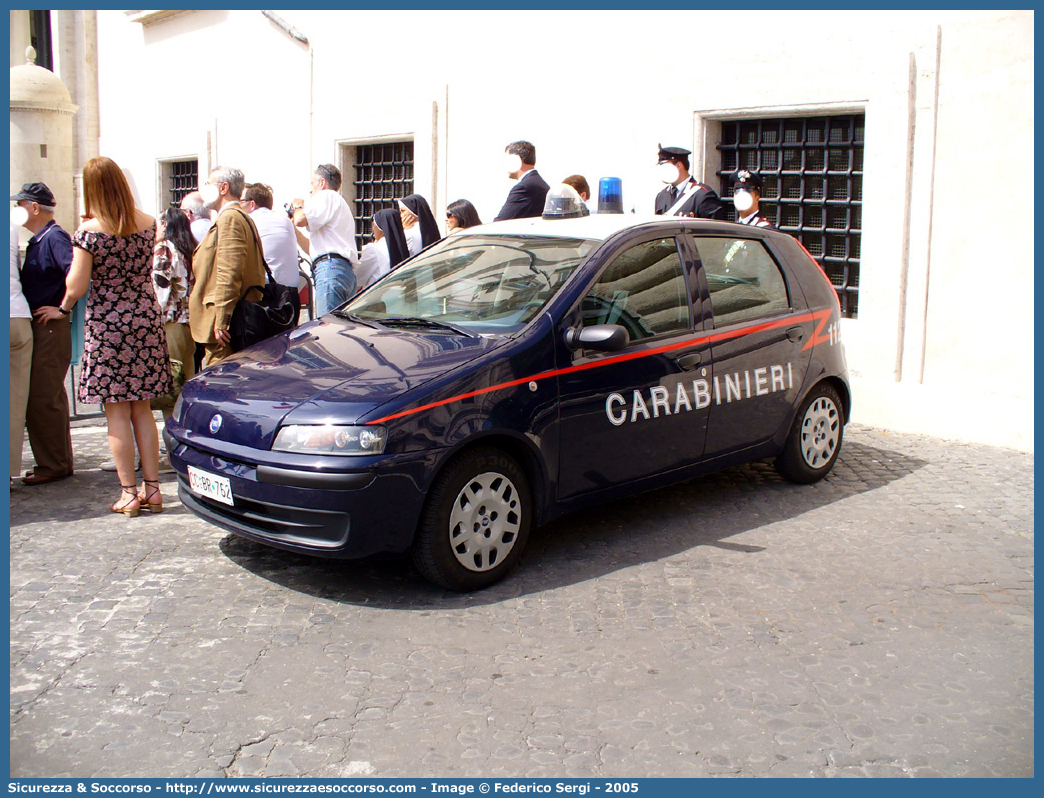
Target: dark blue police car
x=512 y=373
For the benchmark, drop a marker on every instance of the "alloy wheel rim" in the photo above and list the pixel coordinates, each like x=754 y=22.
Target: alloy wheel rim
x=820 y=432
x=484 y=522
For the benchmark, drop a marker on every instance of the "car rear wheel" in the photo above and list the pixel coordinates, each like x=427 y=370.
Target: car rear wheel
x=815 y=439
x=475 y=523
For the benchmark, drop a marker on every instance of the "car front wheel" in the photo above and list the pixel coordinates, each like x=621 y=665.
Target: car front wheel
x=475 y=523
x=815 y=439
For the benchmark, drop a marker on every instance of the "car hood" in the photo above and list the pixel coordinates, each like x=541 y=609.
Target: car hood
x=324 y=371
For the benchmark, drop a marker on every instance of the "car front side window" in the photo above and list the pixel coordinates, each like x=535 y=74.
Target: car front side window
x=643 y=290
x=487 y=284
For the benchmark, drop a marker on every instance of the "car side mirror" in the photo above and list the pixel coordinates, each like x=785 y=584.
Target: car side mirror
x=600 y=337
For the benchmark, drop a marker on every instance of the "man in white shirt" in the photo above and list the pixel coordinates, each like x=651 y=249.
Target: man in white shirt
x=199 y=217
x=330 y=241
x=21 y=356
x=278 y=239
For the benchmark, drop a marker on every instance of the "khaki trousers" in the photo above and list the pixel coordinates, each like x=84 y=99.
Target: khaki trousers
x=21 y=363
x=47 y=414
x=216 y=353
x=181 y=346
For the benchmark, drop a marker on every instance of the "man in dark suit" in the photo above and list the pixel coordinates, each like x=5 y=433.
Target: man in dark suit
x=527 y=197
x=683 y=195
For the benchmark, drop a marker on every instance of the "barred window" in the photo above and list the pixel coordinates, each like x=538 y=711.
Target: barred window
x=179 y=178
x=812 y=172
x=383 y=174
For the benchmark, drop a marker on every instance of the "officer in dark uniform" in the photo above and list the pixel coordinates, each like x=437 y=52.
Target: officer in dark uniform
x=699 y=198
x=746 y=196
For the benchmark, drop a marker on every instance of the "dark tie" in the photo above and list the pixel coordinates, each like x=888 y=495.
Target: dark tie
x=674 y=193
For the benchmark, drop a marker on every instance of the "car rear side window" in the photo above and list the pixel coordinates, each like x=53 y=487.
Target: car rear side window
x=744 y=280
x=643 y=289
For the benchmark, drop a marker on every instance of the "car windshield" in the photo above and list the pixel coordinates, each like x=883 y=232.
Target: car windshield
x=472 y=284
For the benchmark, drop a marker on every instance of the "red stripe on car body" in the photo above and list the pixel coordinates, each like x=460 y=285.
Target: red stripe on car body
x=822 y=316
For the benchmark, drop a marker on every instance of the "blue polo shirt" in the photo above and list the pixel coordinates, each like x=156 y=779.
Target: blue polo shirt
x=47 y=260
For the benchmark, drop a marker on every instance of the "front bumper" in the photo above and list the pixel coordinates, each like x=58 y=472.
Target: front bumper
x=345 y=514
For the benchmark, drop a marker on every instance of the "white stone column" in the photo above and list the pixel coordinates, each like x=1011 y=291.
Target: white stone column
x=76 y=43
x=19 y=36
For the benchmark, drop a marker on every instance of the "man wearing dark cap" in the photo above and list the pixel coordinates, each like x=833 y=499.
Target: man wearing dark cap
x=746 y=196
x=683 y=195
x=527 y=196
x=47 y=260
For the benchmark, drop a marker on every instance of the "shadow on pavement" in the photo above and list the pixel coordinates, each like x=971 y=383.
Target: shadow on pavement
x=590 y=543
x=84 y=497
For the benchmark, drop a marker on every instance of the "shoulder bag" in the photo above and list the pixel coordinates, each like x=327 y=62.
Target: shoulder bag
x=272 y=314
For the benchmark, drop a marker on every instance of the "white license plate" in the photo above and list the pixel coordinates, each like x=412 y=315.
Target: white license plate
x=211 y=485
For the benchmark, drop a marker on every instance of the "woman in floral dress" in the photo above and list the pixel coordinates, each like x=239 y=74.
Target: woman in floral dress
x=125 y=361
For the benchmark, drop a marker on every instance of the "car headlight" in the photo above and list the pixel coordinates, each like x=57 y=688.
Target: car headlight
x=331 y=439
x=178 y=405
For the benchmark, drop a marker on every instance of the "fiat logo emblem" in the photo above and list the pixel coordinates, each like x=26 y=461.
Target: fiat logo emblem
x=215 y=423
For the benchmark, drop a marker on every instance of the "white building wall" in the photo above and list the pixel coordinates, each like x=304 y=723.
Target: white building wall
x=948 y=98
x=985 y=147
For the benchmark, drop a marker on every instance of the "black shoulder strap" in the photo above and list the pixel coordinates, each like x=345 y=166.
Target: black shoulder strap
x=257 y=240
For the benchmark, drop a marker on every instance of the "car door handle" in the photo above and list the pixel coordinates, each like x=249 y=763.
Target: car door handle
x=795 y=334
x=690 y=361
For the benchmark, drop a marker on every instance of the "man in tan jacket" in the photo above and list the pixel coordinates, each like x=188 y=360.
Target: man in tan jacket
x=227 y=261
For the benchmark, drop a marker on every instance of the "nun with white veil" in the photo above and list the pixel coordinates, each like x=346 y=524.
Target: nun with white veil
x=419 y=223
x=388 y=249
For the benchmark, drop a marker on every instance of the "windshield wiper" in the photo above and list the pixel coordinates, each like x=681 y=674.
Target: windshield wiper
x=341 y=314
x=416 y=321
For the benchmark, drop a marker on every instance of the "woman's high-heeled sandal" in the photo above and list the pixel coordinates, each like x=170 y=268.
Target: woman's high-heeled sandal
x=148 y=492
x=132 y=507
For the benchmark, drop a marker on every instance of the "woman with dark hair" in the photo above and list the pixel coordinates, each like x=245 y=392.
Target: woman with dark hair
x=419 y=223
x=460 y=215
x=172 y=279
x=388 y=250
x=125 y=362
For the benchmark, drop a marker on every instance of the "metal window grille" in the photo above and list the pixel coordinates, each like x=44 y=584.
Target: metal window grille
x=383 y=174
x=184 y=178
x=812 y=174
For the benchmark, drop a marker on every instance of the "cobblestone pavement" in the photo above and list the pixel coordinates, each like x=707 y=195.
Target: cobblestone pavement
x=879 y=623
